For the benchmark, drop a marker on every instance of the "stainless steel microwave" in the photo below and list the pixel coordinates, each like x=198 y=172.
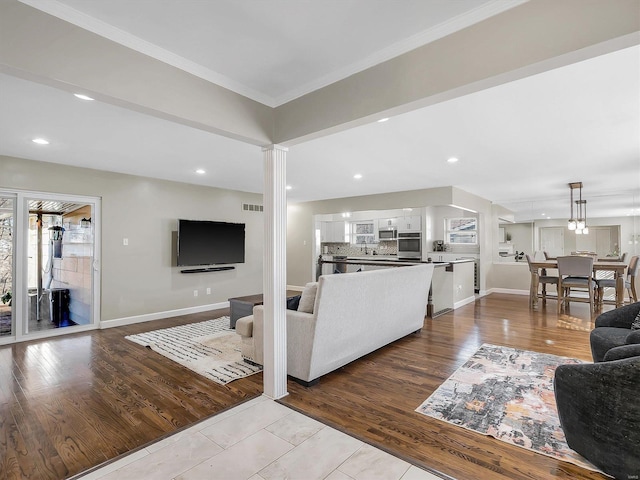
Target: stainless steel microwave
x=388 y=234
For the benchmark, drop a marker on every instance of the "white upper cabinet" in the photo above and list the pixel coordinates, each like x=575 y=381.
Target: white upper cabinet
x=387 y=223
x=411 y=223
x=333 y=232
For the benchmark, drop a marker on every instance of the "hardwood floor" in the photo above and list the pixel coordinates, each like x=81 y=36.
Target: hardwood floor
x=375 y=397
x=71 y=403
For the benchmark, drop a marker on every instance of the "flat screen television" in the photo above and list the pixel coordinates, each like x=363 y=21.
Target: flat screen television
x=203 y=242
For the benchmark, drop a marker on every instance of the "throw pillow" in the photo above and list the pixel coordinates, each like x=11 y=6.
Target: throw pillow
x=636 y=323
x=308 y=297
x=292 y=302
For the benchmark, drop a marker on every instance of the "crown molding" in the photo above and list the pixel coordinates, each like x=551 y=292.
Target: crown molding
x=455 y=24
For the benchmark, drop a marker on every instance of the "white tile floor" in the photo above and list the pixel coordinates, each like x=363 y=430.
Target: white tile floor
x=260 y=440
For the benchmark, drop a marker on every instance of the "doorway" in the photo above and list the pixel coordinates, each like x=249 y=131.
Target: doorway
x=48 y=265
x=552 y=240
x=60 y=263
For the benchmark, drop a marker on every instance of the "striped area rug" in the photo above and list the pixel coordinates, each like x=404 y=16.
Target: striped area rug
x=209 y=348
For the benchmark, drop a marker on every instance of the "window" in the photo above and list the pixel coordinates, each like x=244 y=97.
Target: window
x=363 y=233
x=462 y=231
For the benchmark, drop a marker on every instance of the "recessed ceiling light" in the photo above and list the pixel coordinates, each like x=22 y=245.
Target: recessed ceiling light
x=383 y=120
x=289 y=187
x=357 y=176
x=200 y=171
x=452 y=160
x=82 y=97
x=40 y=141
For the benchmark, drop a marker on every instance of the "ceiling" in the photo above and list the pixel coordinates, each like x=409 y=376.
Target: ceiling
x=518 y=144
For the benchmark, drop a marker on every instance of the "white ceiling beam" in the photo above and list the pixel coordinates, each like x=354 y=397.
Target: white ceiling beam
x=537 y=36
x=42 y=48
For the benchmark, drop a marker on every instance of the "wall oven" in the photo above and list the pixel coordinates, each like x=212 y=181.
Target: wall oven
x=410 y=246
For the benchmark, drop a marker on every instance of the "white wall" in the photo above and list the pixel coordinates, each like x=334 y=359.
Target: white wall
x=139 y=278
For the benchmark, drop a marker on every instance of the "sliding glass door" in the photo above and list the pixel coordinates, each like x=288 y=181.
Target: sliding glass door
x=7 y=264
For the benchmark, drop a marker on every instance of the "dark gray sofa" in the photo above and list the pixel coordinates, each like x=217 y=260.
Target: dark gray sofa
x=599 y=404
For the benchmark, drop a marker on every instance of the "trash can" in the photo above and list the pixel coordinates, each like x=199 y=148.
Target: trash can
x=59 y=306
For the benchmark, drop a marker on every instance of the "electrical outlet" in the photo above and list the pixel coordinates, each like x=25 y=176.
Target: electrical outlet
x=195 y=293
x=125 y=241
x=208 y=291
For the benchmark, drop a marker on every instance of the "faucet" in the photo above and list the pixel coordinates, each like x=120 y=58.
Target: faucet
x=365 y=247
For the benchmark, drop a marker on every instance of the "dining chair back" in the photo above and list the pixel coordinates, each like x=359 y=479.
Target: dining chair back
x=629 y=283
x=575 y=274
x=539 y=279
x=583 y=253
x=632 y=273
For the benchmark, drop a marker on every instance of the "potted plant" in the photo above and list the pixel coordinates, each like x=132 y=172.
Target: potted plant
x=6 y=298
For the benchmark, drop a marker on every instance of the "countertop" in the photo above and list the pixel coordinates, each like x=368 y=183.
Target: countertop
x=389 y=260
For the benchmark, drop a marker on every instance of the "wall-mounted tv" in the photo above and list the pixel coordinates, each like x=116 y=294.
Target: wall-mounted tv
x=202 y=242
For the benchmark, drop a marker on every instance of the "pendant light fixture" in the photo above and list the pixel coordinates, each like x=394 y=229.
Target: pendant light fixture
x=572 y=221
x=578 y=225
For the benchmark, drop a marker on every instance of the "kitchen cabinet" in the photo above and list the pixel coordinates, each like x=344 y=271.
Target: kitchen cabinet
x=442 y=257
x=449 y=257
x=333 y=232
x=386 y=223
x=411 y=223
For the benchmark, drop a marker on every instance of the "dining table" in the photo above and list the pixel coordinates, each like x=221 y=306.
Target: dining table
x=617 y=268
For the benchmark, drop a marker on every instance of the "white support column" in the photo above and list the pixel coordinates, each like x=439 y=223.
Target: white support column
x=275 y=272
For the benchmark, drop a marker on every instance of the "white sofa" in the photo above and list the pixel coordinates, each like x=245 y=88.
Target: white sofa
x=353 y=314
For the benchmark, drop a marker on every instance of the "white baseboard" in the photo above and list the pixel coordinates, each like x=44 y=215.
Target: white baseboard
x=295 y=287
x=510 y=291
x=147 y=317
x=464 y=301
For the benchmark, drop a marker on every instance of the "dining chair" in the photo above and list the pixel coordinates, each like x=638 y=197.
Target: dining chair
x=629 y=283
x=575 y=274
x=543 y=279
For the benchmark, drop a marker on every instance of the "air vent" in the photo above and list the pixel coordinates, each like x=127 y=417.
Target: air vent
x=248 y=207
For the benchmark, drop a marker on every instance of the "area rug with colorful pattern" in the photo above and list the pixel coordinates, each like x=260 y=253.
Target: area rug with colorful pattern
x=209 y=348
x=507 y=394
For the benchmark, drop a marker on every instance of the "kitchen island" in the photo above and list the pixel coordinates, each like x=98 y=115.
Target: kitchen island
x=452 y=285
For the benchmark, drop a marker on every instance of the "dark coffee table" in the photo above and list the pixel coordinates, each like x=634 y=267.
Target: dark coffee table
x=243 y=306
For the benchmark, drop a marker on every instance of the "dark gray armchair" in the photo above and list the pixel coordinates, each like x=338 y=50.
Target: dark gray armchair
x=599 y=412
x=598 y=403
x=613 y=330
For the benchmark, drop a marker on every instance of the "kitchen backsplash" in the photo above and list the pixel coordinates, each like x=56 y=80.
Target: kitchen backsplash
x=382 y=248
